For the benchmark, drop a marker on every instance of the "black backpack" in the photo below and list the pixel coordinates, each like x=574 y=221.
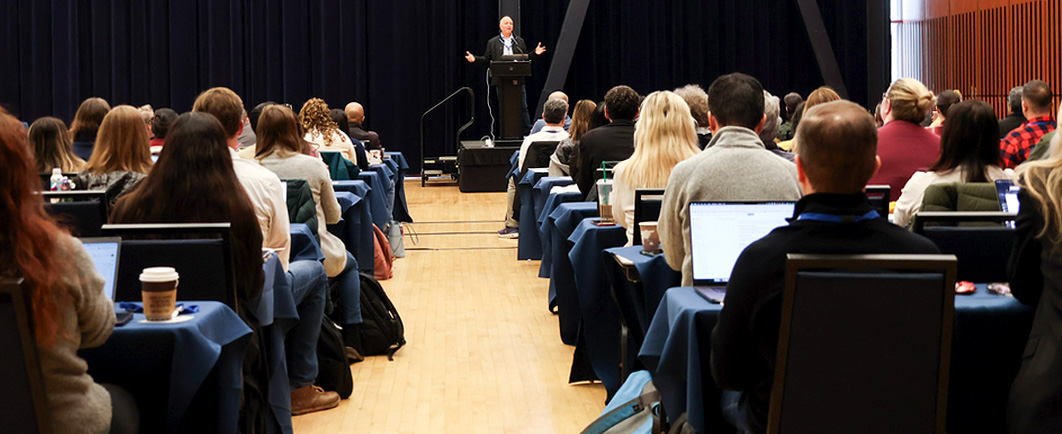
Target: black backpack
x=333 y=370
x=382 y=331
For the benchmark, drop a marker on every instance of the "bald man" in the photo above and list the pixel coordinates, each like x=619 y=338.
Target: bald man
x=837 y=156
x=355 y=117
x=540 y=123
x=507 y=43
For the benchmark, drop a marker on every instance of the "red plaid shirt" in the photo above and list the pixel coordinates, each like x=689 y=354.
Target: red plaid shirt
x=1017 y=145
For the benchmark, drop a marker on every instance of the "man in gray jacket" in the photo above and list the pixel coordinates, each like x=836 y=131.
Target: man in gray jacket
x=735 y=166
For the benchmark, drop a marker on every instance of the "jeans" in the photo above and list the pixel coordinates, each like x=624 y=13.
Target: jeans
x=735 y=410
x=350 y=292
x=308 y=284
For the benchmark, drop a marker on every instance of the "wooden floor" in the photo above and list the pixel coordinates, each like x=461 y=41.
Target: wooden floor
x=484 y=354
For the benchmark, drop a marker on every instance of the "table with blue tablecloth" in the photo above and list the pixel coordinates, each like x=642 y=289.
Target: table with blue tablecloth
x=546 y=227
x=277 y=314
x=387 y=177
x=562 y=293
x=531 y=215
x=599 y=324
x=304 y=245
x=185 y=374
x=987 y=344
x=355 y=229
x=528 y=245
x=377 y=197
x=401 y=212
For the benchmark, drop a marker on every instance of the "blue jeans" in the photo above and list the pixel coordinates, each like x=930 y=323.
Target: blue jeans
x=308 y=286
x=350 y=292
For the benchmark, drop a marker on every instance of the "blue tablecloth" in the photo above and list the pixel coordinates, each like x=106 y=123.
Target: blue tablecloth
x=303 y=244
x=648 y=291
x=989 y=337
x=401 y=209
x=540 y=192
x=529 y=246
x=514 y=165
x=185 y=376
x=388 y=175
x=377 y=197
x=599 y=326
x=562 y=291
x=277 y=320
x=546 y=228
x=354 y=228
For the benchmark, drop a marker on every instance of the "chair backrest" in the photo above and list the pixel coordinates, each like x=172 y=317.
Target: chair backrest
x=879 y=198
x=83 y=212
x=538 y=154
x=301 y=206
x=339 y=168
x=200 y=252
x=864 y=344
x=646 y=209
x=982 y=250
x=23 y=405
x=961 y=196
x=600 y=172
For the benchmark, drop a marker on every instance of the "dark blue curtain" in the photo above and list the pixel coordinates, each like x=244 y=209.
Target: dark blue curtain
x=397 y=57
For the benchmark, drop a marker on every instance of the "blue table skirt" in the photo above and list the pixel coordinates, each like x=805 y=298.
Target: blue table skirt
x=650 y=290
x=562 y=289
x=304 y=246
x=376 y=197
x=529 y=246
x=388 y=176
x=988 y=340
x=599 y=324
x=546 y=228
x=401 y=208
x=540 y=192
x=185 y=376
x=514 y=165
x=282 y=317
x=354 y=229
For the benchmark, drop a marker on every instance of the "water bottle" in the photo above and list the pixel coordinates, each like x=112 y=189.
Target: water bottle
x=56 y=180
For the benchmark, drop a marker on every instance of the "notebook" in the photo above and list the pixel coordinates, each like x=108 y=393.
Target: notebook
x=720 y=231
x=1008 y=197
x=104 y=253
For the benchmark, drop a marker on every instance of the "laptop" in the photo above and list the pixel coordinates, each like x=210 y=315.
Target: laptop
x=1007 y=191
x=105 y=252
x=720 y=231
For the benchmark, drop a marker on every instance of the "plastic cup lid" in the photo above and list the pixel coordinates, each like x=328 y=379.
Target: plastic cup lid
x=158 y=274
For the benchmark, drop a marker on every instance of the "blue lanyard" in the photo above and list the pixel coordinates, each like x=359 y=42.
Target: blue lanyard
x=832 y=218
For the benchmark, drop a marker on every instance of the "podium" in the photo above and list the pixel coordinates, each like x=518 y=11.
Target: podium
x=508 y=77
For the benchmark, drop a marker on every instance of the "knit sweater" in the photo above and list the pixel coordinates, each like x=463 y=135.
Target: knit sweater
x=734 y=167
x=75 y=402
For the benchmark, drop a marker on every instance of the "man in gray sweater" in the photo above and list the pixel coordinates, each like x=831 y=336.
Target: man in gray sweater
x=735 y=166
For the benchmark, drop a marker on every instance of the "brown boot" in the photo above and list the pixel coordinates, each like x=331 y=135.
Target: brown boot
x=312 y=398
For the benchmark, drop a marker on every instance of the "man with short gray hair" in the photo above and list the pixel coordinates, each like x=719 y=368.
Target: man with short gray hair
x=553 y=113
x=541 y=123
x=771 y=111
x=1016 y=116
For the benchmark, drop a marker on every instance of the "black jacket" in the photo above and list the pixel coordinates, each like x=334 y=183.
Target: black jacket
x=1009 y=123
x=369 y=138
x=495 y=48
x=612 y=142
x=745 y=339
x=1035 y=404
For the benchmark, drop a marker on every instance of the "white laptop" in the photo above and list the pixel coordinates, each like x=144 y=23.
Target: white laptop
x=105 y=253
x=720 y=231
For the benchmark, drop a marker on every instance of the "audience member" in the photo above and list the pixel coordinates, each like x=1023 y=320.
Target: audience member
x=247 y=152
x=558 y=162
x=664 y=136
x=122 y=156
x=86 y=124
x=612 y=142
x=1042 y=149
x=246 y=137
x=361 y=157
x=539 y=124
x=835 y=160
x=787 y=129
x=1015 y=115
x=356 y=116
x=969 y=152
x=160 y=126
x=769 y=133
x=697 y=100
x=52 y=146
x=1036 y=104
x=65 y=294
x=944 y=101
x=798 y=112
x=1035 y=270
x=279 y=150
x=553 y=113
x=322 y=131
x=877 y=116
x=734 y=167
x=147 y=113
x=903 y=145
x=597 y=118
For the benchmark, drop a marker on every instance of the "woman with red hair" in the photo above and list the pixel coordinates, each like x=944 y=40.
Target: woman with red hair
x=66 y=293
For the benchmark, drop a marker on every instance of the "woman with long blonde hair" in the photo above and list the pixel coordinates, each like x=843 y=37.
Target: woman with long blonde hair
x=664 y=136
x=52 y=146
x=122 y=156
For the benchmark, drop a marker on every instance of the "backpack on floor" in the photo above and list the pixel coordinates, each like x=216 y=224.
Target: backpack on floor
x=382 y=257
x=333 y=370
x=382 y=331
x=635 y=408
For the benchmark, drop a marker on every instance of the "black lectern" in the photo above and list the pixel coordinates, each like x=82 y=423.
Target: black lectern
x=509 y=76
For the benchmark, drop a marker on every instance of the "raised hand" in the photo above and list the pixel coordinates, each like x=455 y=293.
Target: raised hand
x=470 y=58
x=539 y=49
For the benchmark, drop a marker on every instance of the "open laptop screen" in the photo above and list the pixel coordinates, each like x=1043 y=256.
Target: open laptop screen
x=720 y=231
x=1008 y=195
x=104 y=253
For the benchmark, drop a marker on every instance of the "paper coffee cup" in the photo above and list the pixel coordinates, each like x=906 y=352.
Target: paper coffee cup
x=159 y=292
x=650 y=237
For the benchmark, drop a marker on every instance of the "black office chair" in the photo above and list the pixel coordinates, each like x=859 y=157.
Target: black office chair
x=23 y=405
x=864 y=344
x=646 y=209
x=538 y=154
x=983 y=250
x=200 y=252
x=82 y=212
x=879 y=198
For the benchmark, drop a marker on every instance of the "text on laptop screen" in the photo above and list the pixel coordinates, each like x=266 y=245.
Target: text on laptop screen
x=720 y=231
x=105 y=255
x=1008 y=195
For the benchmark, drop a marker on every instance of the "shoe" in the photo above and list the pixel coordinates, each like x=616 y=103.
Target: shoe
x=353 y=356
x=312 y=398
x=511 y=233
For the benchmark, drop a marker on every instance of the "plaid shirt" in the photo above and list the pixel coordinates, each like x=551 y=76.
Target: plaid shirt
x=1017 y=145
